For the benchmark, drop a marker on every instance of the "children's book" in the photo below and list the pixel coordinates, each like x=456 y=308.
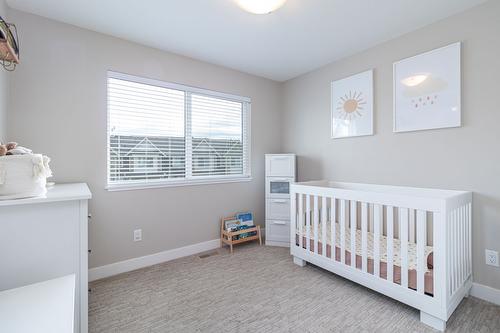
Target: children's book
x=246 y=218
x=232 y=224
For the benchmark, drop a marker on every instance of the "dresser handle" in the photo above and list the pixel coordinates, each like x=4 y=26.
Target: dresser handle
x=279 y=222
x=278 y=201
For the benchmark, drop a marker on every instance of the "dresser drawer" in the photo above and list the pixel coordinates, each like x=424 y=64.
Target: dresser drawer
x=280 y=165
x=278 y=209
x=278 y=231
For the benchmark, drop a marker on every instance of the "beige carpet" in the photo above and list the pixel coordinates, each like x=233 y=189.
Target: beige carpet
x=257 y=289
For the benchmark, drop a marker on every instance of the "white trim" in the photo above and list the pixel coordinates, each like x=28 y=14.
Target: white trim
x=101 y=272
x=485 y=293
x=183 y=182
x=176 y=86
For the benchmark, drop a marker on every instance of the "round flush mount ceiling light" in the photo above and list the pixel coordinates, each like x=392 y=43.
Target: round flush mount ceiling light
x=260 y=6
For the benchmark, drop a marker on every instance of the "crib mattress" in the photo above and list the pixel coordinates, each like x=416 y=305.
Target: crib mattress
x=412 y=254
x=396 y=251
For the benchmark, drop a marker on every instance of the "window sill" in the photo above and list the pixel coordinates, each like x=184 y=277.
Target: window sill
x=184 y=182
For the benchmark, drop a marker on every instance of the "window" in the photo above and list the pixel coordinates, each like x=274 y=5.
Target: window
x=167 y=134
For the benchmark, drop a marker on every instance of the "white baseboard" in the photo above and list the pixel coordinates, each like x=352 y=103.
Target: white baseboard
x=485 y=293
x=149 y=260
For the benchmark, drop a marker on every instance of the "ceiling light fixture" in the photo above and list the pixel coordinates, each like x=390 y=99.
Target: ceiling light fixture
x=260 y=6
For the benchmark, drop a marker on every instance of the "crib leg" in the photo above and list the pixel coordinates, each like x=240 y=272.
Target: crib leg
x=299 y=262
x=432 y=321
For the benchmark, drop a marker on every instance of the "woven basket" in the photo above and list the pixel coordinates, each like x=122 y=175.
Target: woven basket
x=23 y=176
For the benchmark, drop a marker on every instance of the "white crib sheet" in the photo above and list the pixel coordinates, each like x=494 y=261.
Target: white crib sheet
x=412 y=247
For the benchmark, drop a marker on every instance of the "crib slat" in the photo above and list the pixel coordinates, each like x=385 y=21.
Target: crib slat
x=301 y=218
x=308 y=222
x=370 y=217
x=390 y=243
x=377 y=219
x=454 y=250
x=411 y=226
x=323 y=225
x=466 y=247
x=315 y=223
x=457 y=249
x=457 y=254
x=333 y=226
x=421 y=243
x=342 y=230
x=449 y=247
x=469 y=228
x=354 y=218
x=462 y=243
x=293 y=219
x=461 y=247
x=364 y=233
x=403 y=225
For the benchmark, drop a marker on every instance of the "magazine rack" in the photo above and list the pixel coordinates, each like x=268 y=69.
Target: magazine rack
x=229 y=237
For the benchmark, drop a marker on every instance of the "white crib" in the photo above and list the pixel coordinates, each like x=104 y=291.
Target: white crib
x=411 y=244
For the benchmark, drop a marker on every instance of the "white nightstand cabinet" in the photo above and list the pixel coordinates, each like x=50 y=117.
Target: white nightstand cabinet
x=280 y=173
x=45 y=238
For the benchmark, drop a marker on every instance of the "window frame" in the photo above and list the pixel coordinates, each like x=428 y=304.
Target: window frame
x=189 y=179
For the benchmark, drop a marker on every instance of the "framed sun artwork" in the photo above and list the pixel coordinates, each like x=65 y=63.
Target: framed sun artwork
x=427 y=90
x=352 y=106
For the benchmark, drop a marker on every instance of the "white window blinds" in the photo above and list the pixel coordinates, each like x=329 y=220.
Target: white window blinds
x=161 y=133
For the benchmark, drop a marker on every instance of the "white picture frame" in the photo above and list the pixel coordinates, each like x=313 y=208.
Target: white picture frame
x=427 y=90
x=351 y=106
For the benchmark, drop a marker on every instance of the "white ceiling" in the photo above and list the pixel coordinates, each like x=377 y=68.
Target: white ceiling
x=301 y=36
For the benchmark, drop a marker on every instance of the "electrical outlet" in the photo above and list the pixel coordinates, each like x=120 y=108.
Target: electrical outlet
x=137 y=235
x=491 y=258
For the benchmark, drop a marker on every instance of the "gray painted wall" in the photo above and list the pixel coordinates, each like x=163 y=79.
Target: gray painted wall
x=465 y=158
x=4 y=86
x=58 y=107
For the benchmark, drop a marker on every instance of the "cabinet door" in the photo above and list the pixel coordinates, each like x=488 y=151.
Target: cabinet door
x=280 y=165
x=278 y=231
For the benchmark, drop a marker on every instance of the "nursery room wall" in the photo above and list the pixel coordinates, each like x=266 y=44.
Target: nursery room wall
x=463 y=158
x=4 y=85
x=58 y=107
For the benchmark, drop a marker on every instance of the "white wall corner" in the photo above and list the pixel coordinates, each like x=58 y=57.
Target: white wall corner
x=485 y=293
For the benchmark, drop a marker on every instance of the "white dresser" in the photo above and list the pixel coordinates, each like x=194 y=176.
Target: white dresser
x=45 y=238
x=280 y=172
